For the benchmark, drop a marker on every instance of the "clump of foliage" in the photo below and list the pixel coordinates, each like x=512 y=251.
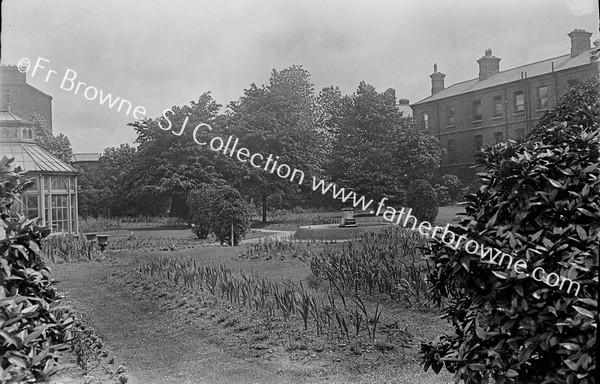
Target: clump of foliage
x=448 y=190
x=199 y=204
x=422 y=199
x=469 y=189
x=33 y=328
x=539 y=202
x=67 y=248
x=441 y=195
x=230 y=208
x=385 y=262
x=371 y=119
x=86 y=345
x=275 y=248
x=214 y=209
x=337 y=318
x=58 y=145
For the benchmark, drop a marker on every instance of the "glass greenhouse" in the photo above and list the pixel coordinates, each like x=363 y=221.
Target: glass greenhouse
x=53 y=197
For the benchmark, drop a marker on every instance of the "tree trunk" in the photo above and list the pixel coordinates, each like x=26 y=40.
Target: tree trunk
x=264 y=208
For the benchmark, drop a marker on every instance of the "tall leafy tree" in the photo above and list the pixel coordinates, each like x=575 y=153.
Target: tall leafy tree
x=58 y=145
x=376 y=150
x=327 y=114
x=278 y=119
x=109 y=188
x=170 y=163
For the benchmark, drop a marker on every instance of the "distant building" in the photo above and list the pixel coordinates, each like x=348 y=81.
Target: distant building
x=499 y=105
x=85 y=159
x=25 y=100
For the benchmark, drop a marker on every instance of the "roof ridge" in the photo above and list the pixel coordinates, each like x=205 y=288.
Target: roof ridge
x=43 y=158
x=506 y=70
x=536 y=62
x=497 y=74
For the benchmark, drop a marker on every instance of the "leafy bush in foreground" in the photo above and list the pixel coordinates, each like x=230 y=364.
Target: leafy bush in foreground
x=32 y=327
x=540 y=202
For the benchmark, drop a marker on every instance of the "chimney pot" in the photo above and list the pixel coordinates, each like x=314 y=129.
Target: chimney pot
x=580 y=41
x=488 y=65
x=437 y=80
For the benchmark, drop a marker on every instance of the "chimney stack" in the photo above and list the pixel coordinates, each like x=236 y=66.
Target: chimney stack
x=580 y=41
x=488 y=65
x=437 y=80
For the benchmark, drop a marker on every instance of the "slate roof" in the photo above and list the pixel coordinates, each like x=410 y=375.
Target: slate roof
x=510 y=75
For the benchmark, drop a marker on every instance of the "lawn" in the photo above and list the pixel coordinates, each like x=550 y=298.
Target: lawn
x=163 y=331
x=449 y=215
x=291 y=222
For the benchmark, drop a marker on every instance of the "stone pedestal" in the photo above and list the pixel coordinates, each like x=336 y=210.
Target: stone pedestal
x=348 y=218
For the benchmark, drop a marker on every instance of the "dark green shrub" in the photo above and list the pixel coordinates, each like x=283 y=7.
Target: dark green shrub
x=32 y=326
x=199 y=204
x=442 y=196
x=229 y=207
x=449 y=190
x=470 y=189
x=422 y=199
x=213 y=209
x=454 y=186
x=540 y=202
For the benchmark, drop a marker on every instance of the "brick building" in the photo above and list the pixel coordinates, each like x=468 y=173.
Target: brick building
x=499 y=105
x=25 y=100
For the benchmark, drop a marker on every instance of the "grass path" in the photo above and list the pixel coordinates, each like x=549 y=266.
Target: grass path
x=155 y=347
x=159 y=345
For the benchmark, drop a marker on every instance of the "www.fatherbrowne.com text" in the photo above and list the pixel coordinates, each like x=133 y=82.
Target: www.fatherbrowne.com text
x=272 y=165
x=403 y=217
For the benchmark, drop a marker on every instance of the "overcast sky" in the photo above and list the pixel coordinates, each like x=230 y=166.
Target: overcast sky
x=162 y=53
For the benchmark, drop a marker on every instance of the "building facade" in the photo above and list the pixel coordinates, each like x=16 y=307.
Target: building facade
x=499 y=105
x=25 y=100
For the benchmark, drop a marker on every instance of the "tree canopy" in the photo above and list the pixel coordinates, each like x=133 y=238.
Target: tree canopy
x=178 y=163
x=377 y=151
x=360 y=141
x=278 y=119
x=58 y=145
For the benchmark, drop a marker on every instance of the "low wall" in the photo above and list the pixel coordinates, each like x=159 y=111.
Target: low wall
x=334 y=232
